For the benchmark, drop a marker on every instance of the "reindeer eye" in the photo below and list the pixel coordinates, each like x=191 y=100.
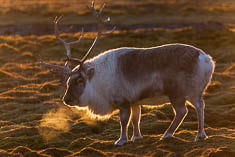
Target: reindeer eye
x=79 y=80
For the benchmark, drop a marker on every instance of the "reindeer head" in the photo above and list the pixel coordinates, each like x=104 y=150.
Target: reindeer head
x=75 y=80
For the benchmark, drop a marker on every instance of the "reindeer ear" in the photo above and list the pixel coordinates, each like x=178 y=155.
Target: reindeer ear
x=90 y=72
x=87 y=70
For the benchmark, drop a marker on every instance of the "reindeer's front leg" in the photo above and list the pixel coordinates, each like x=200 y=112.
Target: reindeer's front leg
x=125 y=112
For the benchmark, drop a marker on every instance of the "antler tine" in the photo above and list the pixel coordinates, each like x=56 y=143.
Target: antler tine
x=101 y=9
x=93 y=4
x=79 y=39
x=100 y=23
x=56 y=21
x=106 y=33
x=67 y=45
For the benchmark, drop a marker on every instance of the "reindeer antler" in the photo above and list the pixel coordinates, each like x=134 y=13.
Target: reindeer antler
x=67 y=44
x=63 y=72
x=100 y=25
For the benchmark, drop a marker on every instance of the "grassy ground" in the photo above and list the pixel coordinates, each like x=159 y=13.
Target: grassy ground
x=34 y=122
x=125 y=12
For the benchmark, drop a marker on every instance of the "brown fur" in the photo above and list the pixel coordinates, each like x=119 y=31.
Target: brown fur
x=176 y=61
x=172 y=58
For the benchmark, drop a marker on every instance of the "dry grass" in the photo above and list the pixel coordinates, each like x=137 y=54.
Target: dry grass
x=151 y=11
x=34 y=122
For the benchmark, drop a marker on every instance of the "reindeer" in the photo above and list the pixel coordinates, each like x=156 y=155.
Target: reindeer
x=124 y=78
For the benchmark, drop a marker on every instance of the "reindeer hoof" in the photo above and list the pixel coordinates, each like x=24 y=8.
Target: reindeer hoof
x=201 y=137
x=134 y=138
x=120 y=142
x=166 y=136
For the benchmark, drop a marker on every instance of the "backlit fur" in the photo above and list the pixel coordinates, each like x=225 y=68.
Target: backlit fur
x=189 y=68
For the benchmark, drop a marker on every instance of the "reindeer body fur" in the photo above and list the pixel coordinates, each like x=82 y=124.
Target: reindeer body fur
x=133 y=74
x=125 y=78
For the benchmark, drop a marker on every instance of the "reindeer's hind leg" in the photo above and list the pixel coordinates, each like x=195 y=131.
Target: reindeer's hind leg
x=200 y=105
x=181 y=111
x=136 y=116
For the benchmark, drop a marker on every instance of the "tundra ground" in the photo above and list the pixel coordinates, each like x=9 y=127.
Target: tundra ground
x=34 y=121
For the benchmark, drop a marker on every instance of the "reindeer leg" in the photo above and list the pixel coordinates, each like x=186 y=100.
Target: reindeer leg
x=200 y=105
x=136 y=116
x=125 y=112
x=180 y=113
